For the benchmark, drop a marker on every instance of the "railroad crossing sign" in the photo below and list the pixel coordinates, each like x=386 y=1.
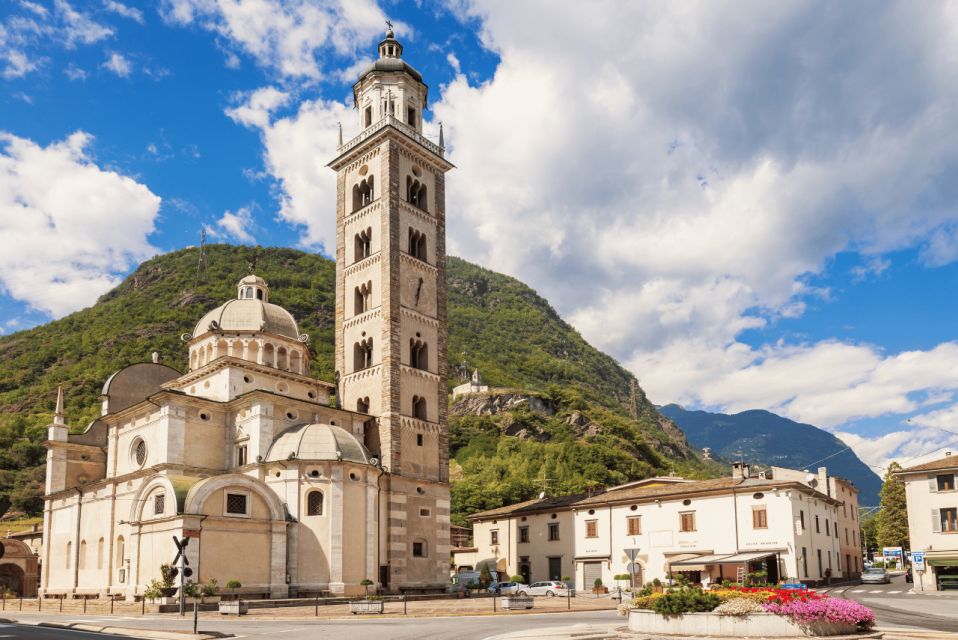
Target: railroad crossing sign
x=181 y=550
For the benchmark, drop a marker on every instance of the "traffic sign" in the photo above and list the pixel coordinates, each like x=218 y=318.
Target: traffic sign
x=918 y=560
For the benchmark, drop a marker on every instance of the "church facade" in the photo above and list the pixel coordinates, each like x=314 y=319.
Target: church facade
x=288 y=484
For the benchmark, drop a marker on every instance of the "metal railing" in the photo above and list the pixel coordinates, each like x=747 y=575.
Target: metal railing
x=399 y=125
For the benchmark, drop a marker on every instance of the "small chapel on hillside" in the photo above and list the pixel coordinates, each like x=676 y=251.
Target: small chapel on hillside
x=288 y=484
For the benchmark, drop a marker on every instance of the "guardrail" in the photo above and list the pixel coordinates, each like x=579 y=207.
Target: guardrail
x=399 y=125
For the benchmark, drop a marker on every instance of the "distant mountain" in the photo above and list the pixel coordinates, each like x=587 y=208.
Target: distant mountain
x=770 y=439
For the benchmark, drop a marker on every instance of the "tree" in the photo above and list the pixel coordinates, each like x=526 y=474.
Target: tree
x=893 y=517
x=869 y=524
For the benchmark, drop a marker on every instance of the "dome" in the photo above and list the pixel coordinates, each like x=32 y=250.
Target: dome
x=317 y=442
x=249 y=315
x=391 y=64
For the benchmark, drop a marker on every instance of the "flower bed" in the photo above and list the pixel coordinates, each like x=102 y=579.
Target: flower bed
x=736 y=611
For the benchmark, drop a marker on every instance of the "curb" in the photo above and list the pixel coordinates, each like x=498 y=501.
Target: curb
x=135 y=633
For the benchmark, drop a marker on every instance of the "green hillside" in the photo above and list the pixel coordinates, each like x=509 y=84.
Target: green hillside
x=496 y=324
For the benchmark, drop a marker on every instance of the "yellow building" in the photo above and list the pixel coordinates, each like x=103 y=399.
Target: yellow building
x=288 y=484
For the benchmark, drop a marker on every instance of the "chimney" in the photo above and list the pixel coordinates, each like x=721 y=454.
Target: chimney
x=740 y=470
x=947 y=453
x=156 y=357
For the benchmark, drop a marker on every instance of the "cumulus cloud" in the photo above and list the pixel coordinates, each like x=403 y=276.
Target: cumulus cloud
x=123 y=10
x=288 y=37
x=119 y=64
x=237 y=226
x=68 y=228
x=297 y=148
x=23 y=34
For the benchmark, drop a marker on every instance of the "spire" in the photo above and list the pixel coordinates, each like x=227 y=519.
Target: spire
x=58 y=413
x=442 y=144
x=340 y=133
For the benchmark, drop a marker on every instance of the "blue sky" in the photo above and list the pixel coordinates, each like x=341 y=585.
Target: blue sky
x=750 y=206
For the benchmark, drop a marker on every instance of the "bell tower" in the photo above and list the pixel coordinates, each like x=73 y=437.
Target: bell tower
x=391 y=335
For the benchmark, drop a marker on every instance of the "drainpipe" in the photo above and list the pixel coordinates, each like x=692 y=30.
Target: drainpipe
x=76 y=545
x=379 y=526
x=735 y=508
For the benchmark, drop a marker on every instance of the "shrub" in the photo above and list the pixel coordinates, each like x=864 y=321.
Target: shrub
x=685 y=601
x=727 y=595
x=154 y=590
x=517 y=578
x=191 y=589
x=211 y=588
x=646 y=601
x=806 y=610
x=597 y=583
x=644 y=591
x=738 y=607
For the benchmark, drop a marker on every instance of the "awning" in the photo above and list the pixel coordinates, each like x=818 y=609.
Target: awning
x=747 y=556
x=941 y=562
x=699 y=560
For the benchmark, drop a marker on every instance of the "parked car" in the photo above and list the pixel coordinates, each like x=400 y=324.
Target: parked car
x=875 y=575
x=549 y=588
x=908 y=575
x=510 y=589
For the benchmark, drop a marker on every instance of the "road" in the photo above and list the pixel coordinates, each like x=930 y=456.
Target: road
x=28 y=632
x=895 y=606
x=459 y=627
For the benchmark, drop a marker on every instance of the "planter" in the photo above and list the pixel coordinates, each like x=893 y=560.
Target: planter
x=599 y=590
x=366 y=606
x=715 y=625
x=233 y=607
x=516 y=602
x=210 y=599
x=168 y=592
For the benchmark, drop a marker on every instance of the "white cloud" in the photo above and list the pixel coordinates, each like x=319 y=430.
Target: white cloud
x=288 y=37
x=68 y=229
x=453 y=62
x=74 y=72
x=34 y=7
x=121 y=9
x=79 y=27
x=18 y=64
x=119 y=64
x=236 y=225
x=297 y=148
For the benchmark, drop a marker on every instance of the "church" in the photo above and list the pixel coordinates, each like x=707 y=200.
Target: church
x=290 y=485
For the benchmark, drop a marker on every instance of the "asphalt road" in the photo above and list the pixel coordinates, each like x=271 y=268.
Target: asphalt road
x=895 y=606
x=29 y=632
x=460 y=628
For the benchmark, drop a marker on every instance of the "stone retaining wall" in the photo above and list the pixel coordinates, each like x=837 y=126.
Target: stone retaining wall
x=715 y=625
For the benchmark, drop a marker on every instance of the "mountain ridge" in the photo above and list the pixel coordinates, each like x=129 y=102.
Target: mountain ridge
x=771 y=439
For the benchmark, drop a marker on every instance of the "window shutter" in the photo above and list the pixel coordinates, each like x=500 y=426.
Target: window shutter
x=936 y=521
x=933 y=484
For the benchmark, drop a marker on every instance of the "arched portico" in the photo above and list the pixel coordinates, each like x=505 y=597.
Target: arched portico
x=19 y=569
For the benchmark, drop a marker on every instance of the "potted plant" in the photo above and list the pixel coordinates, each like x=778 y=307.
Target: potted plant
x=657 y=586
x=369 y=604
x=568 y=583
x=168 y=586
x=236 y=606
x=598 y=588
x=210 y=590
x=191 y=591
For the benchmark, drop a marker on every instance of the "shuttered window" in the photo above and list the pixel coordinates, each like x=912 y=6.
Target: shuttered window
x=687 y=521
x=945 y=482
x=759 y=518
x=634 y=524
x=591 y=528
x=949 y=520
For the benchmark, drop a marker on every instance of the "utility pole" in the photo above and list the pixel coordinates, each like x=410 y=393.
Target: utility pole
x=201 y=263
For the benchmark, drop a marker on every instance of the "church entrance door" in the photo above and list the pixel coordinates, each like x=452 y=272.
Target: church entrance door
x=11 y=578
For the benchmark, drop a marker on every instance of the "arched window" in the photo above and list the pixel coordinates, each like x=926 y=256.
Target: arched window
x=363 y=354
x=418 y=354
x=362 y=244
x=281 y=359
x=419 y=408
x=363 y=193
x=294 y=362
x=69 y=553
x=416 y=193
x=368 y=116
x=314 y=503
x=99 y=554
x=249 y=292
x=417 y=244
x=357 y=197
x=362 y=298
x=81 y=562
x=119 y=552
x=362 y=405
x=259 y=294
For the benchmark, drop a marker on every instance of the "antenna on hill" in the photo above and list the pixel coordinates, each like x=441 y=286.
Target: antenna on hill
x=634 y=398
x=544 y=481
x=201 y=263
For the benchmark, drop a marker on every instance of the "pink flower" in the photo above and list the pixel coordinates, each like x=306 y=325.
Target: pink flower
x=823 y=609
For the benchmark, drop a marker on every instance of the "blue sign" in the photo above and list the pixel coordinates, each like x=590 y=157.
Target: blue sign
x=918 y=560
x=794 y=585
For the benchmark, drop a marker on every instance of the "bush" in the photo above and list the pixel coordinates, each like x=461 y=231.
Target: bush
x=646 y=601
x=685 y=601
x=517 y=578
x=738 y=607
x=211 y=588
x=191 y=590
x=154 y=590
x=597 y=583
x=727 y=595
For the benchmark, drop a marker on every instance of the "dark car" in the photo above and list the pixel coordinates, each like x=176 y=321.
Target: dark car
x=908 y=576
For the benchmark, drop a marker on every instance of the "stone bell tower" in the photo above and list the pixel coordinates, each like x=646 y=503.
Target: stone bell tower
x=391 y=312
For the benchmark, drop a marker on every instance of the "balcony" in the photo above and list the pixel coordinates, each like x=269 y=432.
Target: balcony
x=399 y=125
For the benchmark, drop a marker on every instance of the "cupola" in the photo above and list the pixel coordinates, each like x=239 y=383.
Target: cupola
x=252 y=288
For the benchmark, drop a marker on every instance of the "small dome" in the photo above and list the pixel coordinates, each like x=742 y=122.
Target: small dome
x=249 y=315
x=317 y=442
x=391 y=65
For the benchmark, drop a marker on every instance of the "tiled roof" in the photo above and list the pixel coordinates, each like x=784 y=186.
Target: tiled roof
x=948 y=462
x=635 y=493
x=529 y=506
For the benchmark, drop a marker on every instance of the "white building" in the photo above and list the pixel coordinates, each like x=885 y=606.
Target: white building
x=708 y=530
x=930 y=491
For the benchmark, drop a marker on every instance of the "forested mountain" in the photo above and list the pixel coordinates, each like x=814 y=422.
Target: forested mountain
x=584 y=435
x=770 y=439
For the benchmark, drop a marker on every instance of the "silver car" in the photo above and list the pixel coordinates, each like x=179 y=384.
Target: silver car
x=875 y=575
x=549 y=588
